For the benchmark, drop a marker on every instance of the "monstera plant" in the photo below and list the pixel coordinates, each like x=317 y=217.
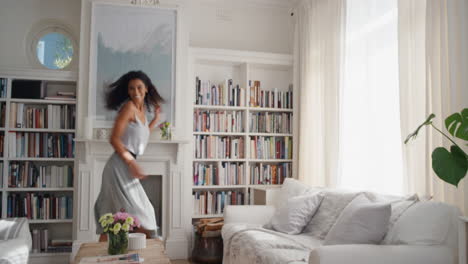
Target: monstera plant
x=449 y=166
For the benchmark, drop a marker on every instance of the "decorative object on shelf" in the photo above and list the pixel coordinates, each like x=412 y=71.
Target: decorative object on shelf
x=449 y=166
x=102 y=133
x=165 y=130
x=117 y=227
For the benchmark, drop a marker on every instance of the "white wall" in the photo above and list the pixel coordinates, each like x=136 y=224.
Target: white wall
x=17 y=17
x=251 y=26
x=246 y=26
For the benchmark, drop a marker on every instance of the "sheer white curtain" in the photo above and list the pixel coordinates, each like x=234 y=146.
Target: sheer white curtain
x=434 y=79
x=317 y=53
x=370 y=139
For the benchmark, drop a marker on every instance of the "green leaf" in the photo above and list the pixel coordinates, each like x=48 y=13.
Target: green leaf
x=450 y=167
x=457 y=124
x=415 y=133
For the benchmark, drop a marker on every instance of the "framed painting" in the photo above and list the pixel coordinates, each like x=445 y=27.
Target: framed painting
x=126 y=38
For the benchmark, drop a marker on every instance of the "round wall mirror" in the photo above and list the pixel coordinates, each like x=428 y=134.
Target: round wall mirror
x=51 y=44
x=54 y=50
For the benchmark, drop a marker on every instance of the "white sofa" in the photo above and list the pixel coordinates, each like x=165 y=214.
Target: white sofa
x=15 y=241
x=422 y=232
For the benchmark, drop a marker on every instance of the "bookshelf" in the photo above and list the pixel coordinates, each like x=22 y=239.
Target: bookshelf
x=243 y=129
x=37 y=155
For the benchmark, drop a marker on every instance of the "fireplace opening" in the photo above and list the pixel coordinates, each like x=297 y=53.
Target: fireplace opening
x=153 y=188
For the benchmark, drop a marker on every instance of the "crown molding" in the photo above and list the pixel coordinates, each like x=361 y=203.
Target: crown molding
x=278 y=4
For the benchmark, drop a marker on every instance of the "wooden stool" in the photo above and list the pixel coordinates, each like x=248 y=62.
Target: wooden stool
x=153 y=253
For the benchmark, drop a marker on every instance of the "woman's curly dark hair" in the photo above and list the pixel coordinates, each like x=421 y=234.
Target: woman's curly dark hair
x=117 y=92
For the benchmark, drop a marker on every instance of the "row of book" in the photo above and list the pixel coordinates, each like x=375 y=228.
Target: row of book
x=270 y=173
x=40 y=206
x=2 y=142
x=27 y=174
x=270 y=98
x=46 y=145
x=218 y=121
x=211 y=147
x=270 y=147
x=271 y=122
x=214 y=202
x=2 y=114
x=42 y=243
x=3 y=87
x=226 y=93
x=229 y=173
x=46 y=116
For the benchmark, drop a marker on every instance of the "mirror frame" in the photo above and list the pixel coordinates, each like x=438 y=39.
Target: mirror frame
x=43 y=28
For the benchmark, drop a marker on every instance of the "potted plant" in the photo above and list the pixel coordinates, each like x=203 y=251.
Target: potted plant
x=117 y=227
x=450 y=166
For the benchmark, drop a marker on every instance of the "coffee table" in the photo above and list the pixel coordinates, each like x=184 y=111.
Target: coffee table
x=153 y=253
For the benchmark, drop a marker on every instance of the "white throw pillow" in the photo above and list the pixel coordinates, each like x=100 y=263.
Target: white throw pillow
x=425 y=223
x=333 y=203
x=291 y=188
x=293 y=216
x=361 y=222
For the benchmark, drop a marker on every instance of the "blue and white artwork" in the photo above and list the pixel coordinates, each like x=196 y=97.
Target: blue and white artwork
x=126 y=38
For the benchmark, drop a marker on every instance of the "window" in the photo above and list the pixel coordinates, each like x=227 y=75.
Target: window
x=370 y=137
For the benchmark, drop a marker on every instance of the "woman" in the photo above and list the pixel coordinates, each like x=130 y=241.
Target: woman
x=134 y=94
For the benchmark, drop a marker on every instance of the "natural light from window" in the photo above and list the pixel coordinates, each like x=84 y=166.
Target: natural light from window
x=370 y=137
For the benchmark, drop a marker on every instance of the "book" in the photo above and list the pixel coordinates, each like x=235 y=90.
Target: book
x=120 y=259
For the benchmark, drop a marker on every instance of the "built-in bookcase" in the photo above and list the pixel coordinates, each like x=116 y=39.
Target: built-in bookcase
x=243 y=128
x=37 y=131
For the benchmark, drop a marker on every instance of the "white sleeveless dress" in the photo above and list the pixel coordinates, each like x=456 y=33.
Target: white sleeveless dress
x=119 y=189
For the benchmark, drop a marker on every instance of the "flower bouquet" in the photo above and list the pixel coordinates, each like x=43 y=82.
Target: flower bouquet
x=165 y=130
x=117 y=227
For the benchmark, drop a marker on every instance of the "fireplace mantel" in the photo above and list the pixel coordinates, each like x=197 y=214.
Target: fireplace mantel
x=161 y=157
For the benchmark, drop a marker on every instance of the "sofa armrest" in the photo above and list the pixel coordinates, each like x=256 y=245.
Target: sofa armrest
x=382 y=254
x=248 y=214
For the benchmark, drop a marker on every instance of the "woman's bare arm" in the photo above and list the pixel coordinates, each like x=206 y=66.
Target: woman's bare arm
x=121 y=123
x=155 y=120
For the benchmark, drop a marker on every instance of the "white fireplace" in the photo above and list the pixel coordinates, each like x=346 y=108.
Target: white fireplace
x=162 y=162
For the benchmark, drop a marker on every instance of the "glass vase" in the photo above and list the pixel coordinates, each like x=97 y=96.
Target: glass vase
x=166 y=134
x=118 y=243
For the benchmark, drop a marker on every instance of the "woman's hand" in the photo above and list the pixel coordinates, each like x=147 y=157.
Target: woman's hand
x=135 y=170
x=157 y=113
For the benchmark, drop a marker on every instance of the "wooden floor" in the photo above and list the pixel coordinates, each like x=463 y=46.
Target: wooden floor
x=180 y=261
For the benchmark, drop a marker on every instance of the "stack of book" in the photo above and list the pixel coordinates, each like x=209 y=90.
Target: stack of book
x=210 y=147
x=226 y=93
x=62 y=96
x=218 y=121
x=40 y=206
x=28 y=174
x=270 y=99
x=271 y=122
x=271 y=147
x=3 y=87
x=214 y=202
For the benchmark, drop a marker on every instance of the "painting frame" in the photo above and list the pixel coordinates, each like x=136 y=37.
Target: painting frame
x=97 y=87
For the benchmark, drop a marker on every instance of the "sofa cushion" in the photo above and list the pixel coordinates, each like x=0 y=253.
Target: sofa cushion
x=291 y=188
x=426 y=223
x=293 y=216
x=331 y=207
x=361 y=222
